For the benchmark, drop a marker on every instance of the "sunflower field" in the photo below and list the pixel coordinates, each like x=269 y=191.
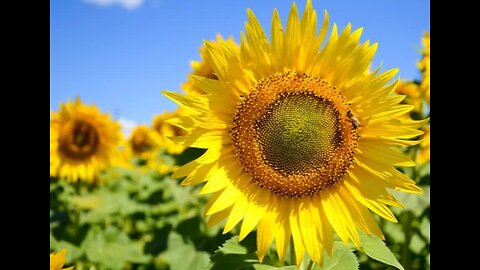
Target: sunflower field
x=286 y=151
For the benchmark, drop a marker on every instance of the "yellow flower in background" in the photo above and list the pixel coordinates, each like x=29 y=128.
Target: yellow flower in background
x=57 y=260
x=301 y=142
x=164 y=131
x=424 y=66
x=141 y=143
x=83 y=141
x=424 y=152
x=203 y=68
x=412 y=92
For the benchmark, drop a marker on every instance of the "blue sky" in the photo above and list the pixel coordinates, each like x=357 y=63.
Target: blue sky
x=120 y=54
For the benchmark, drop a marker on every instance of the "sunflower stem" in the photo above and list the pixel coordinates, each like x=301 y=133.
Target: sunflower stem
x=292 y=254
x=310 y=265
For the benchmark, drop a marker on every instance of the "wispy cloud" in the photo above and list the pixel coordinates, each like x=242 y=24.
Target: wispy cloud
x=128 y=4
x=127 y=126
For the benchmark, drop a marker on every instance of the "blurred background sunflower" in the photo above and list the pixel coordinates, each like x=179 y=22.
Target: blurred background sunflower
x=83 y=141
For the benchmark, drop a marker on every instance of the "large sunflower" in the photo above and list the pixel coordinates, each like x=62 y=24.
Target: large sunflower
x=301 y=139
x=83 y=141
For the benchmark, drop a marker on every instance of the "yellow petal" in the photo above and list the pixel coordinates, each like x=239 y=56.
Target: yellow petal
x=368 y=198
x=339 y=216
x=276 y=33
x=237 y=213
x=219 y=100
x=255 y=210
x=200 y=174
x=390 y=141
x=394 y=112
x=297 y=237
x=205 y=138
x=391 y=131
x=185 y=169
x=325 y=229
x=219 y=179
x=197 y=105
x=265 y=233
x=218 y=217
x=283 y=233
x=309 y=231
x=227 y=197
x=292 y=37
x=57 y=259
x=383 y=172
x=385 y=154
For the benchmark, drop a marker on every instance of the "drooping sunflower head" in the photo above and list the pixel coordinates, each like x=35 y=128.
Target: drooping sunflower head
x=203 y=68
x=57 y=260
x=164 y=132
x=302 y=139
x=83 y=141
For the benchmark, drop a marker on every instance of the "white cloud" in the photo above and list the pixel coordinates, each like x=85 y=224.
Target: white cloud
x=128 y=4
x=127 y=126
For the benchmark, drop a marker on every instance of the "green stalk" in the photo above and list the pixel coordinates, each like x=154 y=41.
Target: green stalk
x=292 y=254
x=310 y=265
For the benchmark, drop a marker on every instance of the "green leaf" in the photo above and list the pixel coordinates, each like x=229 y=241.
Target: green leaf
x=376 y=249
x=424 y=169
x=183 y=256
x=232 y=246
x=416 y=244
x=113 y=249
x=342 y=258
x=103 y=205
x=236 y=256
x=394 y=230
x=425 y=229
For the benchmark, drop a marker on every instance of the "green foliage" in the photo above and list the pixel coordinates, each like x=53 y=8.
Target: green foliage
x=140 y=219
x=342 y=258
x=235 y=255
x=375 y=248
x=182 y=255
x=113 y=248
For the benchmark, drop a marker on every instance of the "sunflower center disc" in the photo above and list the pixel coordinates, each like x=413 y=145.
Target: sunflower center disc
x=298 y=133
x=294 y=134
x=79 y=140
